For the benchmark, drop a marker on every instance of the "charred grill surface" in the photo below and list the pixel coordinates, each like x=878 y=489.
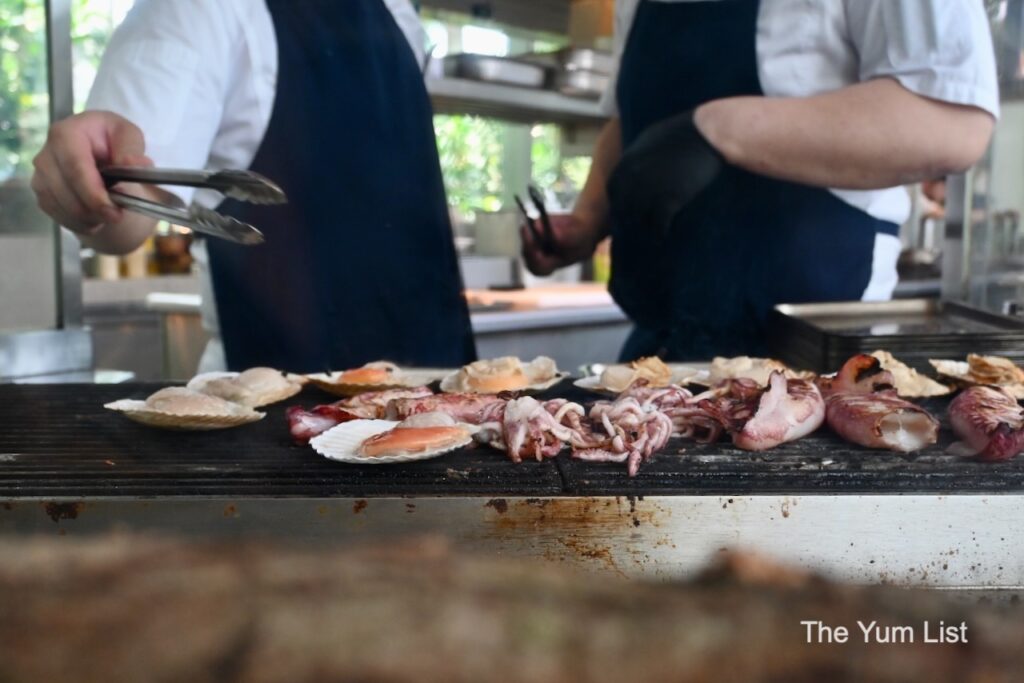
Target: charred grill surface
x=59 y=441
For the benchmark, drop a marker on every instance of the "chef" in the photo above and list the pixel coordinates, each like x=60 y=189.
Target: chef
x=324 y=97
x=756 y=151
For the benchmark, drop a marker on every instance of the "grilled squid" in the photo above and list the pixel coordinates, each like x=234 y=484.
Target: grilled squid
x=989 y=421
x=861 y=374
x=528 y=428
x=863 y=408
x=759 y=419
x=689 y=420
x=881 y=420
x=623 y=431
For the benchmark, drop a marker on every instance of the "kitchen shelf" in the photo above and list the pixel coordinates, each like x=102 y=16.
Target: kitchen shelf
x=511 y=103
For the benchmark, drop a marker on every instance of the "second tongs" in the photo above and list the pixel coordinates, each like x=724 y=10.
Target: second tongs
x=244 y=186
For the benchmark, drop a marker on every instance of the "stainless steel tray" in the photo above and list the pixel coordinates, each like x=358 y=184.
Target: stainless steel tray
x=581 y=84
x=574 y=59
x=821 y=336
x=495 y=70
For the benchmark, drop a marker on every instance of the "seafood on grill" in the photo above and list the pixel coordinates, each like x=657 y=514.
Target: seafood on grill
x=185 y=409
x=649 y=372
x=757 y=369
x=421 y=437
x=503 y=374
x=305 y=424
x=909 y=382
x=374 y=404
x=623 y=430
x=527 y=428
x=759 y=418
x=469 y=408
x=689 y=420
x=989 y=422
x=372 y=377
x=863 y=407
x=860 y=374
x=881 y=420
x=255 y=387
x=984 y=370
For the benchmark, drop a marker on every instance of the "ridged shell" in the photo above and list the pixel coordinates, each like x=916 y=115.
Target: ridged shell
x=257 y=399
x=681 y=375
x=141 y=413
x=404 y=379
x=342 y=443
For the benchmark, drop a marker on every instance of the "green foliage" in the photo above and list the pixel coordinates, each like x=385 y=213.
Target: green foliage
x=24 y=113
x=471 y=148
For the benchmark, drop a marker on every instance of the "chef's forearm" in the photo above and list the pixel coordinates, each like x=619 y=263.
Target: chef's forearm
x=871 y=135
x=592 y=204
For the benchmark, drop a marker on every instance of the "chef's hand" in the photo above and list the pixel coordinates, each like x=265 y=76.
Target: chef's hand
x=67 y=180
x=573 y=238
x=664 y=169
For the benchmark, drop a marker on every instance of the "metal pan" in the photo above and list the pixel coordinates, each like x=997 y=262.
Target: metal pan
x=822 y=336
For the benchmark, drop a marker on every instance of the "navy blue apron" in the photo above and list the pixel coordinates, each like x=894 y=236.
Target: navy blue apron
x=360 y=265
x=748 y=242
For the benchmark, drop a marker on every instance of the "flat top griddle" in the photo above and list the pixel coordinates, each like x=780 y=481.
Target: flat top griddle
x=57 y=441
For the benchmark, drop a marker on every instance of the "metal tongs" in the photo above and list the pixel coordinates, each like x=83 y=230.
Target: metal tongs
x=545 y=239
x=244 y=186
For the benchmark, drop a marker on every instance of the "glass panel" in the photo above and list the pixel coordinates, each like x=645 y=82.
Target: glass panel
x=28 y=296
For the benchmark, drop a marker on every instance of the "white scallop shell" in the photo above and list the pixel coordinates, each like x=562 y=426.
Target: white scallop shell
x=403 y=379
x=960 y=371
x=255 y=399
x=142 y=413
x=681 y=375
x=342 y=443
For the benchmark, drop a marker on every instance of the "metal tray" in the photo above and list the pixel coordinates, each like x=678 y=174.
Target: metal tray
x=573 y=59
x=581 y=84
x=822 y=336
x=495 y=70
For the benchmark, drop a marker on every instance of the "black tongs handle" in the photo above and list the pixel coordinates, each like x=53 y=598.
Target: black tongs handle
x=545 y=239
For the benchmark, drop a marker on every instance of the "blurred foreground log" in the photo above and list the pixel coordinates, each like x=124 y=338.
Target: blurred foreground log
x=138 y=609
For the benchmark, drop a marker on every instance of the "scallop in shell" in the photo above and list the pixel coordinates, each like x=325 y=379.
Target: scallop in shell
x=255 y=387
x=378 y=376
x=377 y=442
x=503 y=374
x=185 y=409
x=984 y=370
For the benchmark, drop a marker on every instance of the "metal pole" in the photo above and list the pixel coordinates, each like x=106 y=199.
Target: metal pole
x=62 y=105
x=956 y=247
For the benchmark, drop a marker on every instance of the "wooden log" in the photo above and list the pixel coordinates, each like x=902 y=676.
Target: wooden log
x=128 y=608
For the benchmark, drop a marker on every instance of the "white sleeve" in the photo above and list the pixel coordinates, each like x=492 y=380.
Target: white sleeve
x=166 y=69
x=940 y=49
x=624 y=12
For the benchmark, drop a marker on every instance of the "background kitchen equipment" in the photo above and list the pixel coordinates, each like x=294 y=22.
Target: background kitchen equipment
x=822 y=336
x=495 y=70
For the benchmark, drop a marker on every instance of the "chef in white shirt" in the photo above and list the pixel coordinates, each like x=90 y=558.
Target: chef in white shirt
x=327 y=99
x=756 y=152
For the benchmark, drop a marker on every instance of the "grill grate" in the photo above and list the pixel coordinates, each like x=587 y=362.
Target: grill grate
x=57 y=441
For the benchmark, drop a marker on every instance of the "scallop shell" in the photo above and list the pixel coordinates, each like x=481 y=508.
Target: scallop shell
x=454 y=383
x=960 y=372
x=404 y=379
x=143 y=414
x=342 y=443
x=681 y=376
x=254 y=399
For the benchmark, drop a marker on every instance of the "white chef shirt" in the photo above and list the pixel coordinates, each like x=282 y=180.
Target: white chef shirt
x=941 y=49
x=199 y=78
